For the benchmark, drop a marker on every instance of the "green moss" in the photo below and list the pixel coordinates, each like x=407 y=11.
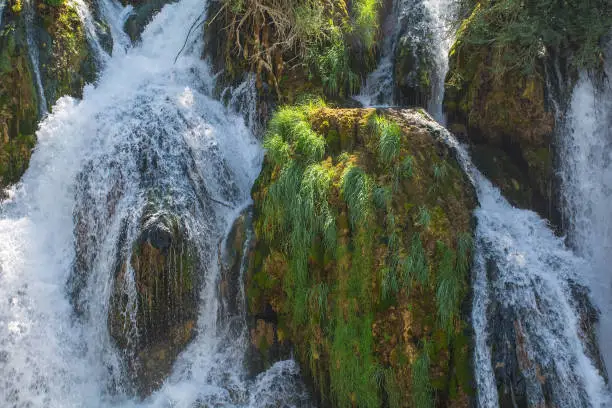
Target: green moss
x=347 y=252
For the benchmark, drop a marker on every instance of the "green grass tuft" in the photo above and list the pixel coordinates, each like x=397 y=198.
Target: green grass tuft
x=390 y=137
x=422 y=393
x=356 y=189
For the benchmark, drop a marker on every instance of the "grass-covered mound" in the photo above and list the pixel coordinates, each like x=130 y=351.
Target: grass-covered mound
x=363 y=239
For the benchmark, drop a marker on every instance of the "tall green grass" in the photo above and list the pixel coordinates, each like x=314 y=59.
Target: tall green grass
x=422 y=393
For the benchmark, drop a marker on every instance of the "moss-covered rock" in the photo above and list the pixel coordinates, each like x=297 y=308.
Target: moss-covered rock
x=504 y=110
x=66 y=65
x=67 y=62
x=18 y=100
x=363 y=236
x=154 y=306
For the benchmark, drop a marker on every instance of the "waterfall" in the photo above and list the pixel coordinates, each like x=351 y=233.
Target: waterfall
x=525 y=292
x=90 y=31
x=34 y=56
x=586 y=172
x=2 y=6
x=423 y=28
x=147 y=129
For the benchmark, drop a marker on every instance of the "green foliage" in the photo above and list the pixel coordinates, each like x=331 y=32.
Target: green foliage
x=440 y=171
x=422 y=395
x=394 y=394
x=309 y=145
x=520 y=32
x=382 y=197
x=356 y=189
x=55 y=3
x=331 y=63
x=407 y=167
x=277 y=149
x=366 y=21
x=285 y=120
x=354 y=365
x=390 y=284
x=296 y=208
x=415 y=265
x=464 y=249
x=390 y=139
x=449 y=286
x=318 y=299
x=424 y=217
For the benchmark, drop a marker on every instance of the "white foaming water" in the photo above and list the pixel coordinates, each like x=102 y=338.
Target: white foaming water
x=425 y=25
x=442 y=15
x=90 y=31
x=586 y=172
x=526 y=271
x=148 y=128
x=115 y=16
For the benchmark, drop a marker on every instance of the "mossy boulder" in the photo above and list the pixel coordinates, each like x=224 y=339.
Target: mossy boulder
x=154 y=305
x=360 y=259
x=66 y=65
x=507 y=119
x=19 y=104
x=67 y=62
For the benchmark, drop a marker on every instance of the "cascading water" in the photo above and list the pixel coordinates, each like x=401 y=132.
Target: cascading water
x=91 y=33
x=525 y=294
x=147 y=129
x=586 y=172
x=34 y=56
x=2 y=6
x=422 y=28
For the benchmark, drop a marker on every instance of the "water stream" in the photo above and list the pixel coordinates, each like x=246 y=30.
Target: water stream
x=423 y=28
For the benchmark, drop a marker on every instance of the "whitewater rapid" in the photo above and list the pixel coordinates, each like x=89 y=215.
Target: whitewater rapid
x=89 y=165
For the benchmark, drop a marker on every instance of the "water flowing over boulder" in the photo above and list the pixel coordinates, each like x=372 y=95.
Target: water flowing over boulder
x=154 y=305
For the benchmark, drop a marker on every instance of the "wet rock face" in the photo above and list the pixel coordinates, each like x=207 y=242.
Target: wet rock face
x=508 y=120
x=265 y=346
x=18 y=100
x=143 y=13
x=153 y=317
x=413 y=61
x=524 y=376
x=67 y=63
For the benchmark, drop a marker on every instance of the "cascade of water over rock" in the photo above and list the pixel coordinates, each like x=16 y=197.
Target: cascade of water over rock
x=585 y=140
x=147 y=166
